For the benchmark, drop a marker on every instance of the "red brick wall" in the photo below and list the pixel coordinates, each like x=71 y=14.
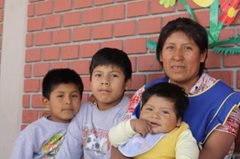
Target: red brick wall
x=66 y=33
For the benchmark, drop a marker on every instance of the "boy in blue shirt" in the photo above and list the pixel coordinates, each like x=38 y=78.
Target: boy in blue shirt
x=87 y=136
x=62 y=93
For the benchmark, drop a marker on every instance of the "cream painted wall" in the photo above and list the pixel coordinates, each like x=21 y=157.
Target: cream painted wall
x=12 y=70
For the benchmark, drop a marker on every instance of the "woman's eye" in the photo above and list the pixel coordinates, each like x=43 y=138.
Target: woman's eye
x=187 y=48
x=169 y=47
x=114 y=75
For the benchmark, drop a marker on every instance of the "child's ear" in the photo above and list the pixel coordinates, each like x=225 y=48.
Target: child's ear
x=179 y=121
x=45 y=102
x=128 y=84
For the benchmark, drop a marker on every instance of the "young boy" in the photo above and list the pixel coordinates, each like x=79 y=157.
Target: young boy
x=62 y=93
x=159 y=132
x=87 y=136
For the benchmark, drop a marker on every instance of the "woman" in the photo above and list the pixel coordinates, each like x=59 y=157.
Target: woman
x=213 y=113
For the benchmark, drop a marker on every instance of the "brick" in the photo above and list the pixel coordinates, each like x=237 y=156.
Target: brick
x=70 y=19
x=52 y=21
x=88 y=50
x=45 y=7
x=213 y=60
x=135 y=45
x=137 y=8
x=82 y=4
x=134 y=63
x=35 y=24
x=31 y=85
x=102 y=2
x=201 y=18
x=102 y=31
x=92 y=15
x=61 y=36
x=226 y=33
x=37 y=101
x=82 y=67
x=33 y=55
x=81 y=34
x=152 y=25
x=62 y=5
x=148 y=63
x=40 y=69
x=28 y=116
x=59 y=65
x=86 y=83
x=113 y=44
x=25 y=101
x=70 y=52
x=51 y=53
x=1 y=3
x=31 y=10
x=167 y=18
x=29 y=40
x=42 y=38
x=157 y=8
x=126 y=28
x=114 y=12
x=137 y=82
x=27 y=71
x=226 y=76
x=1 y=15
x=231 y=61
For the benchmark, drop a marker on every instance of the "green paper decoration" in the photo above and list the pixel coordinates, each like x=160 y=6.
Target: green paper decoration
x=225 y=46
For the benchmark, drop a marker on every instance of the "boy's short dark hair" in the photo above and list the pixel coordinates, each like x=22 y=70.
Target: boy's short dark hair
x=58 y=76
x=192 y=29
x=172 y=93
x=112 y=56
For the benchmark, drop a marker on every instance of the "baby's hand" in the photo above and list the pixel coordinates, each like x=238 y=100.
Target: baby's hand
x=140 y=126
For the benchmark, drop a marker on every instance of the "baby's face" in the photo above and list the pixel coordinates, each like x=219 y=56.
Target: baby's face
x=160 y=112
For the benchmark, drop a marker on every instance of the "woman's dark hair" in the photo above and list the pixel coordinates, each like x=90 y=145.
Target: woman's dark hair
x=192 y=29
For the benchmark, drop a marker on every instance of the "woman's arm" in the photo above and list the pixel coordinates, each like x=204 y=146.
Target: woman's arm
x=217 y=145
x=115 y=154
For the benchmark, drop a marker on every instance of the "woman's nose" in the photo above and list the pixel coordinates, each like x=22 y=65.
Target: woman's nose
x=178 y=55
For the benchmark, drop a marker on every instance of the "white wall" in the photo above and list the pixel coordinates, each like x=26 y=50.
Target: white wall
x=12 y=71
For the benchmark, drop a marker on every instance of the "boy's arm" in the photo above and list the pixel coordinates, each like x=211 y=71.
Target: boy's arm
x=186 y=147
x=72 y=144
x=24 y=146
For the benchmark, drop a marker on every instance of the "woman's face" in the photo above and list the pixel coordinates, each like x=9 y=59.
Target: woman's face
x=181 y=59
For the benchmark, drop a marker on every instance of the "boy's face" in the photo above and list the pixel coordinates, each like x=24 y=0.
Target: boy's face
x=108 y=85
x=64 y=102
x=160 y=112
